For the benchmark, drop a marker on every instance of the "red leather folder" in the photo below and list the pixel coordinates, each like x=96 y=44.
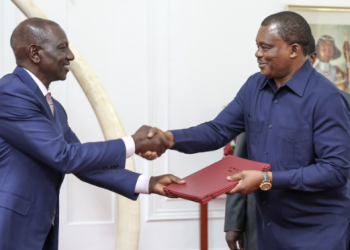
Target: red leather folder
x=210 y=182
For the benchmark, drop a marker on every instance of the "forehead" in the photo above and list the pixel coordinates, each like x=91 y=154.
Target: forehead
x=55 y=34
x=268 y=34
x=327 y=43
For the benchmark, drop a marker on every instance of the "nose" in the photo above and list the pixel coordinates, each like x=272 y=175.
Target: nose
x=258 y=53
x=70 y=55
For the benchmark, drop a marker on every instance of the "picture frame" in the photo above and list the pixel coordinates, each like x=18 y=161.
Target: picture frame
x=330 y=27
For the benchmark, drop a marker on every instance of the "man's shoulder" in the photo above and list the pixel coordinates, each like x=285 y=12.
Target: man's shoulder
x=318 y=83
x=9 y=78
x=321 y=89
x=12 y=84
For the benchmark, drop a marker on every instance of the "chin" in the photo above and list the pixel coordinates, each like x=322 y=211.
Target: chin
x=63 y=77
x=265 y=73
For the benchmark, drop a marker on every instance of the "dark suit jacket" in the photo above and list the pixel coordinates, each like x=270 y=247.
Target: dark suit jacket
x=37 y=149
x=240 y=208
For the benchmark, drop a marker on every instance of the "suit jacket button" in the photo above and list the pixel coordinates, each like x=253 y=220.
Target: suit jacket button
x=52 y=215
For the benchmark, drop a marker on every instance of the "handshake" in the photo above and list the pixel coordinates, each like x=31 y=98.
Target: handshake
x=151 y=142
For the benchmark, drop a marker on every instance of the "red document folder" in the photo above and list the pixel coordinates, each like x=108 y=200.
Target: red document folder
x=210 y=182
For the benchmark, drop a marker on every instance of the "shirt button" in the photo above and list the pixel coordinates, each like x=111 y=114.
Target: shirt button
x=270 y=126
x=275 y=101
x=268 y=224
x=266 y=152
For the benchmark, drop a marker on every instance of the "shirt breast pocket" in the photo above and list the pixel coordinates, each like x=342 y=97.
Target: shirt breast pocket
x=253 y=135
x=294 y=148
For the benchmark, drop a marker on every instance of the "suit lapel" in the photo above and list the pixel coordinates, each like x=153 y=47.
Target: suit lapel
x=58 y=125
x=30 y=83
x=57 y=117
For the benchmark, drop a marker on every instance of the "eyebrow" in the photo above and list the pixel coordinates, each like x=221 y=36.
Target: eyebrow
x=263 y=43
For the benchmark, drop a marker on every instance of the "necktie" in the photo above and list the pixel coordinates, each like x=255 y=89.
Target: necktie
x=50 y=102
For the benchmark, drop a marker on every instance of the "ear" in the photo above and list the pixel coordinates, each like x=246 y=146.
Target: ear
x=34 y=53
x=312 y=58
x=295 y=50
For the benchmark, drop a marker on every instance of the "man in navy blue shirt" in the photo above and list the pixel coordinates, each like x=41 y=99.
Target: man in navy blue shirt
x=299 y=122
x=240 y=218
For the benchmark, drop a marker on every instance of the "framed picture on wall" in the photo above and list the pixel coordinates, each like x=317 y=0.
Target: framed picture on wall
x=330 y=27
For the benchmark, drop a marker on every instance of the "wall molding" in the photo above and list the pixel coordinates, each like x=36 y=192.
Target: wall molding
x=159 y=78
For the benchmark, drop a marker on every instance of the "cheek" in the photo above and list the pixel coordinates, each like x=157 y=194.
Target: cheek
x=272 y=54
x=278 y=64
x=273 y=60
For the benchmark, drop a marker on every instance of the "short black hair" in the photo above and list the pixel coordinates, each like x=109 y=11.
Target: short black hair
x=292 y=28
x=312 y=46
x=33 y=29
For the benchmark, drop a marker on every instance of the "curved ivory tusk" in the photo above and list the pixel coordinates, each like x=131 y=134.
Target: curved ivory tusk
x=128 y=212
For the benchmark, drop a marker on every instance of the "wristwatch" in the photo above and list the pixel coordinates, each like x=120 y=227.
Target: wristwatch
x=266 y=183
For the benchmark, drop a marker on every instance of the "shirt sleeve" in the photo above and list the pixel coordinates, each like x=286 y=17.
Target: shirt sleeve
x=331 y=137
x=129 y=146
x=142 y=184
x=217 y=133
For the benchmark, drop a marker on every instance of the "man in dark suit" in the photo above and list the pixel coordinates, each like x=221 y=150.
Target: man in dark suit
x=240 y=224
x=37 y=146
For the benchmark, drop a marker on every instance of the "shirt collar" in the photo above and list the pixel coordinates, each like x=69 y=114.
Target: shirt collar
x=41 y=86
x=298 y=82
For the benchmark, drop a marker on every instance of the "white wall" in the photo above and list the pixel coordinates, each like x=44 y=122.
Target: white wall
x=168 y=63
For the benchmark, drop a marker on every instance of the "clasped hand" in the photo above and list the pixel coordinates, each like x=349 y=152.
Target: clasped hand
x=151 y=143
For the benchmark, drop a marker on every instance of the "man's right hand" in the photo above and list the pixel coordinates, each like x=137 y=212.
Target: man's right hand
x=158 y=183
x=232 y=237
x=153 y=132
x=155 y=145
